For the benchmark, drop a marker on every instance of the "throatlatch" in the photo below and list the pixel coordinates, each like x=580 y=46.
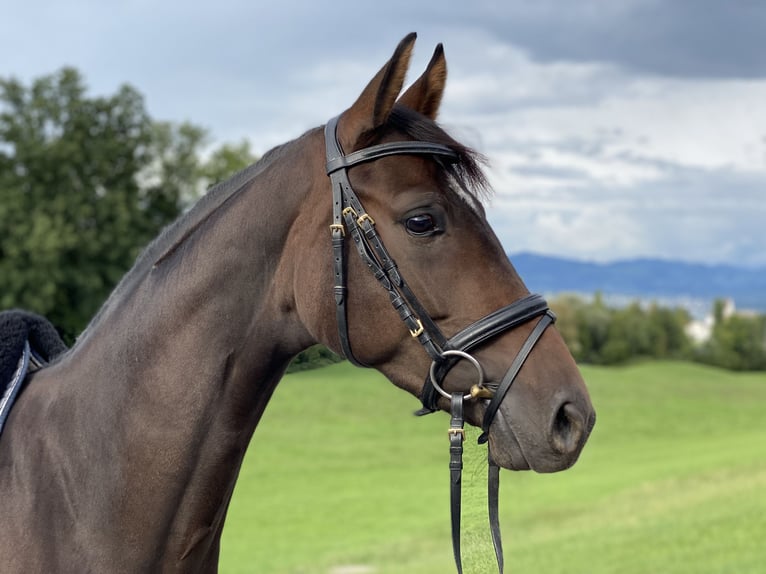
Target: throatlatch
x=351 y=220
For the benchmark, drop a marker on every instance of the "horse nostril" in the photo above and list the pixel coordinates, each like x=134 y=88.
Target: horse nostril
x=568 y=429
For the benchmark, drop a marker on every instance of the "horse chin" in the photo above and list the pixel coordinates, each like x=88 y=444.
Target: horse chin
x=504 y=447
x=511 y=451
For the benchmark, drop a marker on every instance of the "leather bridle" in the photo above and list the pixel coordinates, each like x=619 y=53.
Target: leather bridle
x=351 y=220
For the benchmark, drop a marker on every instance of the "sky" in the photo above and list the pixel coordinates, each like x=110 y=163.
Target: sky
x=615 y=129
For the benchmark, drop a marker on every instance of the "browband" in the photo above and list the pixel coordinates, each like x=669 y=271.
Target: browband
x=336 y=159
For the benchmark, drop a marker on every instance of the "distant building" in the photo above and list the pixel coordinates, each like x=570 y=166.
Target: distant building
x=700 y=330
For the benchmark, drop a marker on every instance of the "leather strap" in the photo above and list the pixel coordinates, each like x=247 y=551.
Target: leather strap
x=10 y=389
x=456 y=437
x=350 y=218
x=340 y=161
x=512 y=372
x=493 y=497
x=504 y=319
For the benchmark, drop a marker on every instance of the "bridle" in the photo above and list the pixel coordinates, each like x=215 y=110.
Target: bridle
x=350 y=219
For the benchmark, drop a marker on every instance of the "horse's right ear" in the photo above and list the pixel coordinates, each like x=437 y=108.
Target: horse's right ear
x=374 y=105
x=425 y=94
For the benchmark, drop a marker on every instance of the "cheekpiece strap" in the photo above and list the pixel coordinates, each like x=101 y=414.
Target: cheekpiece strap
x=351 y=220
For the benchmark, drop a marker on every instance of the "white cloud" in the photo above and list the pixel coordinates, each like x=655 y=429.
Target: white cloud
x=608 y=138
x=593 y=161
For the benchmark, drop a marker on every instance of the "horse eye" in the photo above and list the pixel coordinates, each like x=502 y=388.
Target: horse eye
x=422 y=224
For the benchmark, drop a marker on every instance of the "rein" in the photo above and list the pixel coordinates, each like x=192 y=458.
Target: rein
x=351 y=220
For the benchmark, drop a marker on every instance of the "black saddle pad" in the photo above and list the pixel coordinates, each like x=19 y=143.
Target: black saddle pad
x=26 y=340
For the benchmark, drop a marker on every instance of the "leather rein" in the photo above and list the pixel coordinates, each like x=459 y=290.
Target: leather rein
x=351 y=220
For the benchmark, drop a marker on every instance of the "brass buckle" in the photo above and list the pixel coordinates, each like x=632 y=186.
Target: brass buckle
x=452 y=431
x=363 y=217
x=348 y=210
x=419 y=331
x=339 y=227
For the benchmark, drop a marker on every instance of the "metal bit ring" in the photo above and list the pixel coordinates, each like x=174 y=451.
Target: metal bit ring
x=463 y=355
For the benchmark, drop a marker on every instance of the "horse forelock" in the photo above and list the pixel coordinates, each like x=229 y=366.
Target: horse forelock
x=467 y=174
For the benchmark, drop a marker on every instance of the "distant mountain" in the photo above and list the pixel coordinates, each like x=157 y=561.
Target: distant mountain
x=644 y=278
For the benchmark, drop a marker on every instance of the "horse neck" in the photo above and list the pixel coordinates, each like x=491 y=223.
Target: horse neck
x=178 y=368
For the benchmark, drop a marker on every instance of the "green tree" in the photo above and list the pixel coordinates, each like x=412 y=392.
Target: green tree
x=737 y=342
x=313 y=357
x=85 y=183
x=667 y=333
x=171 y=178
x=627 y=336
x=596 y=333
x=593 y=329
x=226 y=161
x=568 y=308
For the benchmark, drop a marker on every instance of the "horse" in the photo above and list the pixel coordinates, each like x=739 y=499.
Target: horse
x=122 y=454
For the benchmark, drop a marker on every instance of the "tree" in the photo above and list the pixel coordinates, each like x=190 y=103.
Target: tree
x=225 y=161
x=667 y=328
x=313 y=357
x=737 y=342
x=628 y=335
x=568 y=308
x=85 y=183
x=593 y=329
x=599 y=334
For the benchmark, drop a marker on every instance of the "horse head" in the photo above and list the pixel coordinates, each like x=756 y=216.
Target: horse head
x=408 y=198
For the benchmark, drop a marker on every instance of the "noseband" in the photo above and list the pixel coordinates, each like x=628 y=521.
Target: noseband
x=351 y=219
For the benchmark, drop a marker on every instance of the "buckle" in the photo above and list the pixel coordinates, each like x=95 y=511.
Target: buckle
x=419 y=331
x=363 y=217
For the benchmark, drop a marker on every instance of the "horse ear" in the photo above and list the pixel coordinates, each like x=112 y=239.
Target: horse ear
x=374 y=105
x=426 y=93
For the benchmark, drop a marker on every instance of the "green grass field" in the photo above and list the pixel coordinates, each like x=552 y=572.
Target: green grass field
x=340 y=478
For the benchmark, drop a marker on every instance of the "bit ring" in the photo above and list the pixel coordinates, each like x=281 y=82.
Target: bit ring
x=463 y=355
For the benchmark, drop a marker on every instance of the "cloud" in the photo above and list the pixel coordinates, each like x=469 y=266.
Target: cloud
x=703 y=123
x=683 y=38
x=597 y=162
x=700 y=215
x=614 y=129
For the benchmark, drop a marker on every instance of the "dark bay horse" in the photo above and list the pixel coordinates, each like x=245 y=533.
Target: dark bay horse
x=123 y=454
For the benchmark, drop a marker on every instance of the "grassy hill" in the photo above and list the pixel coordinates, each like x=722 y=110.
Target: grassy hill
x=341 y=478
